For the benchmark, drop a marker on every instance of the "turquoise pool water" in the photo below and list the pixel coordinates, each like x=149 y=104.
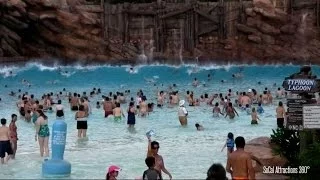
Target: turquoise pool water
x=187 y=153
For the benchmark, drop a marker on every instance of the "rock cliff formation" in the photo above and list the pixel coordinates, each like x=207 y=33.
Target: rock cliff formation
x=56 y=29
x=73 y=30
x=260 y=148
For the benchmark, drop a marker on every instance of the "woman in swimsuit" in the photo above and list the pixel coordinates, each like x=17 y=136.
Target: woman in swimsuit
x=143 y=107
x=59 y=110
x=131 y=115
x=82 y=124
x=13 y=135
x=231 y=111
x=42 y=133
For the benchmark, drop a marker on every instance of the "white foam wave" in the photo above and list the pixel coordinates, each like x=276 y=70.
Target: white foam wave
x=5 y=70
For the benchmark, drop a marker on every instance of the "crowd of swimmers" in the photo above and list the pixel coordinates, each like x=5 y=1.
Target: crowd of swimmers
x=34 y=110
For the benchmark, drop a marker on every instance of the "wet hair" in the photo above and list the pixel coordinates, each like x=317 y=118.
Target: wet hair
x=188 y=92
x=144 y=98
x=3 y=121
x=230 y=104
x=117 y=104
x=216 y=172
x=131 y=104
x=197 y=125
x=217 y=104
x=280 y=103
x=206 y=95
x=253 y=109
x=107 y=99
x=75 y=94
x=110 y=94
x=201 y=96
x=59 y=101
x=154 y=143
x=150 y=161
x=41 y=114
x=230 y=135
x=81 y=108
x=240 y=142
x=259 y=104
x=98 y=102
x=279 y=89
x=229 y=90
x=247 y=105
x=13 y=116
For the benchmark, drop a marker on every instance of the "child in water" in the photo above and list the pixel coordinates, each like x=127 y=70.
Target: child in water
x=50 y=110
x=248 y=110
x=98 y=105
x=254 y=116
x=199 y=127
x=260 y=109
x=229 y=144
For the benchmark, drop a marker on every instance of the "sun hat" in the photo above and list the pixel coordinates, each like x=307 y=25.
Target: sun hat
x=249 y=90
x=181 y=103
x=114 y=168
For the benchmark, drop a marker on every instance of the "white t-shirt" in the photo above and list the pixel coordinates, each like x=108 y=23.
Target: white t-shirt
x=182 y=111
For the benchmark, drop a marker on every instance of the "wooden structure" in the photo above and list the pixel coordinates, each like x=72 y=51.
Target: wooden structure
x=172 y=22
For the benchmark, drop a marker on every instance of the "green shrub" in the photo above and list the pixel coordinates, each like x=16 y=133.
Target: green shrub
x=287 y=144
x=311 y=157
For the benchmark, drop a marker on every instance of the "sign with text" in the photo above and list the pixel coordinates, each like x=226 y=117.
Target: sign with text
x=311 y=116
x=295 y=113
x=301 y=85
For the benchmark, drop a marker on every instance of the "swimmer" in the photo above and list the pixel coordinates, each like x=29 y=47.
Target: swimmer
x=143 y=110
x=209 y=77
x=260 y=109
x=98 y=105
x=117 y=112
x=216 y=110
x=199 y=127
x=230 y=111
x=229 y=144
x=5 y=146
x=195 y=82
x=254 y=116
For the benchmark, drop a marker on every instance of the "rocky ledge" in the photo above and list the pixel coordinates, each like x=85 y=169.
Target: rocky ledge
x=261 y=149
x=72 y=30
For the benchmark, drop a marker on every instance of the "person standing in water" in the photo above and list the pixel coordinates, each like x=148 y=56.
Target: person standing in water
x=5 y=146
x=42 y=133
x=82 y=124
x=254 y=116
x=117 y=112
x=13 y=134
x=59 y=110
x=131 y=115
x=281 y=112
x=239 y=163
x=182 y=113
x=229 y=144
x=153 y=148
x=230 y=111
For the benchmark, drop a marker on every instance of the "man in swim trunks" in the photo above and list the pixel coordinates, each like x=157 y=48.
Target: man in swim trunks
x=280 y=115
x=5 y=145
x=74 y=102
x=117 y=112
x=160 y=99
x=245 y=99
x=239 y=163
x=107 y=107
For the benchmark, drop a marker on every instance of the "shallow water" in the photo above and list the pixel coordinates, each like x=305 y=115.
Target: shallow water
x=187 y=153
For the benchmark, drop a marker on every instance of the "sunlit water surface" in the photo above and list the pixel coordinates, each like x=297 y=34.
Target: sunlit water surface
x=187 y=153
